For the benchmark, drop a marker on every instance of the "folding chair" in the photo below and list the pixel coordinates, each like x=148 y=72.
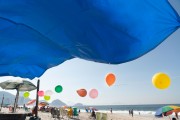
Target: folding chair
x=104 y=116
x=98 y=116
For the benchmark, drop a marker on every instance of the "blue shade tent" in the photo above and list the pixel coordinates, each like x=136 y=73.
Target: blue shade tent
x=39 y=34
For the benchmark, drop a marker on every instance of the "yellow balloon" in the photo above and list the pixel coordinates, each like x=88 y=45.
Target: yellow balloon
x=26 y=94
x=161 y=80
x=47 y=98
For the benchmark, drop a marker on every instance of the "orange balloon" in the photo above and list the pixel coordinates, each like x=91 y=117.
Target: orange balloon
x=82 y=92
x=110 y=79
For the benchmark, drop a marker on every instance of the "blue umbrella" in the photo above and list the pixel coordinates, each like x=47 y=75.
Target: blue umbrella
x=39 y=34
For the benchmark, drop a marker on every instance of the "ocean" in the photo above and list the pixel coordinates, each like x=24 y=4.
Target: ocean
x=138 y=109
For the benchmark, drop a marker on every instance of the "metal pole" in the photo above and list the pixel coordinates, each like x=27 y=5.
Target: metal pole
x=2 y=102
x=37 y=99
x=16 y=100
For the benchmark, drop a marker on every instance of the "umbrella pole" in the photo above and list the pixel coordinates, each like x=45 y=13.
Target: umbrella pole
x=2 y=102
x=37 y=99
x=16 y=100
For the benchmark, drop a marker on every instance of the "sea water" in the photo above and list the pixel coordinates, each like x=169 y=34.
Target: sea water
x=137 y=109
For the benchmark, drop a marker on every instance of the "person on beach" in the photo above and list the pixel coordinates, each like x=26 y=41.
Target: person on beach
x=111 y=110
x=93 y=114
x=132 y=112
x=25 y=108
x=164 y=114
x=129 y=112
x=53 y=111
x=176 y=114
x=86 y=110
x=34 y=110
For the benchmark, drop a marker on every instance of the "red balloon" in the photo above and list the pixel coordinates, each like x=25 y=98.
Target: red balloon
x=40 y=93
x=82 y=92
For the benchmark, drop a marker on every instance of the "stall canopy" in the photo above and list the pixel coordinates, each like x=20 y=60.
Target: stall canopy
x=39 y=34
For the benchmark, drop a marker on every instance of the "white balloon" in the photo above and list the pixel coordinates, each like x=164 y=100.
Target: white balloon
x=48 y=92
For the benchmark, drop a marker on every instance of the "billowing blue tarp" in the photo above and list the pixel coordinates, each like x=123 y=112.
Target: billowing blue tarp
x=38 y=34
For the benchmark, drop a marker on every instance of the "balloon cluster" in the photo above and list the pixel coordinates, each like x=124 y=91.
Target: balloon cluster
x=92 y=94
x=110 y=80
x=47 y=94
x=159 y=80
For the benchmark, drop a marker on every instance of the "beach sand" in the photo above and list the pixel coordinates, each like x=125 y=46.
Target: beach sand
x=86 y=116
x=121 y=116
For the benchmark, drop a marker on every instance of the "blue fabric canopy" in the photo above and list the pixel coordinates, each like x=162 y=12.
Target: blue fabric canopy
x=38 y=34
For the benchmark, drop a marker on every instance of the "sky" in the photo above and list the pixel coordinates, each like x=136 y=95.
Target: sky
x=133 y=83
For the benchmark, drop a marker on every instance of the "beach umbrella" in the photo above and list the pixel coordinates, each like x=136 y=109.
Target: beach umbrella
x=64 y=107
x=93 y=108
x=176 y=109
x=43 y=104
x=41 y=34
x=166 y=110
x=19 y=85
x=31 y=102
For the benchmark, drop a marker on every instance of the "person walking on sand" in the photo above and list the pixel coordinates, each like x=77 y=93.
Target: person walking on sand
x=132 y=112
x=111 y=110
x=93 y=114
x=129 y=112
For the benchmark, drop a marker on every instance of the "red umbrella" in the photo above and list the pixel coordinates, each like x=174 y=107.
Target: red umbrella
x=93 y=108
x=43 y=104
x=31 y=102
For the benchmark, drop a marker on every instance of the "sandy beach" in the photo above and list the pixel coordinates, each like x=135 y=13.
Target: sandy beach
x=113 y=116
x=86 y=116
x=121 y=116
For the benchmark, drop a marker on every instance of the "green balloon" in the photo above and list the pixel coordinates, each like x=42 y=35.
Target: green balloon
x=47 y=98
x=26 y=94
x=58 y=88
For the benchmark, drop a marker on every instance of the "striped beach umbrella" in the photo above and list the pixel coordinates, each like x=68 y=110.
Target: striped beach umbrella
x=166 y=110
